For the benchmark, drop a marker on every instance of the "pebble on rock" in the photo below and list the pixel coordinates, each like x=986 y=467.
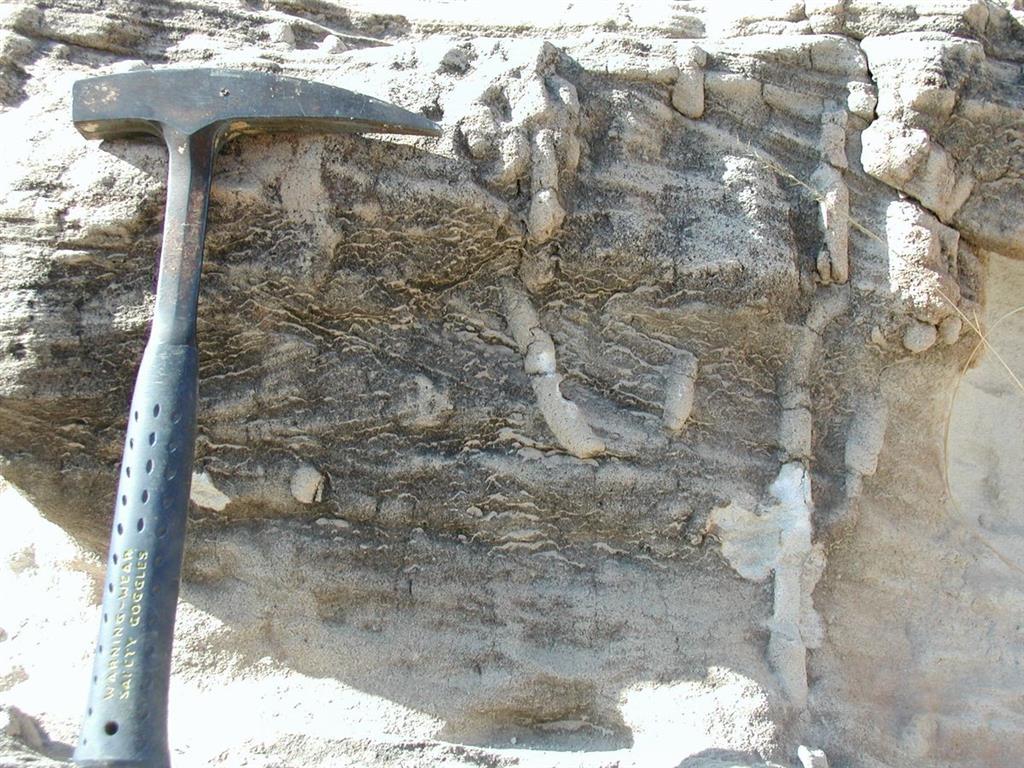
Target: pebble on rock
x=919 y=336
x=307 y=484
x=811 y=758
x=332 y=44
x=281 y=32
x=950 y=329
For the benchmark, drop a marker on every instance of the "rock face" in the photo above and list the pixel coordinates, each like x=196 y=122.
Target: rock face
x=609 y=421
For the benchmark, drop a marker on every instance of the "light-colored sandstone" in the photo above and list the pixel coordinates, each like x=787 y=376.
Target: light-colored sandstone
x=463 y=495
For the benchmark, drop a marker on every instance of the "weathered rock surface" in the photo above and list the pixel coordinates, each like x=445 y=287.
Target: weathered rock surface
x=610 y=421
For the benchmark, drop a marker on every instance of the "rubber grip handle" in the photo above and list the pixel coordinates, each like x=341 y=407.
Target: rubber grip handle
x=126 y=719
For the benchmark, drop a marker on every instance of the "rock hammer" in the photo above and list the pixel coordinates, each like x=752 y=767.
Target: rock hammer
x=194 y=111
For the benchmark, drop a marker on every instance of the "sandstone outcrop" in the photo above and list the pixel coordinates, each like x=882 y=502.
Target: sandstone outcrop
x=605 y=429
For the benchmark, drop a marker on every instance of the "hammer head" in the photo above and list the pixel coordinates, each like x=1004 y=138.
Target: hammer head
x=187 y=101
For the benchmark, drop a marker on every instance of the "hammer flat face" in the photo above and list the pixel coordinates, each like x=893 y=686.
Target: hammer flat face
x=186 y=101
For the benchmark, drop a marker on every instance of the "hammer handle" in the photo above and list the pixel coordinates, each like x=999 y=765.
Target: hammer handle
x=126 y=722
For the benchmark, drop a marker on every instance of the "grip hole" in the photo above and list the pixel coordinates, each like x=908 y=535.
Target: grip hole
x=161 y=531
x=104 y=621
x=171 y=473
x=136 y=415
x=156 y=410
x=149 y=466
x=89 y=712
x=115 y=559
x=131 y=442
x=127 y=471
x=124 y=500
x=145 y=496
x=140 y=525
x=110 y=728
x=110 y=587
x=175 y=417
x=152 y=438
x=120 y=529
x=99 y=649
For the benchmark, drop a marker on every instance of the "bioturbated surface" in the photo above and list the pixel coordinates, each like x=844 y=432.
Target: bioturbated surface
x=613 y=414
